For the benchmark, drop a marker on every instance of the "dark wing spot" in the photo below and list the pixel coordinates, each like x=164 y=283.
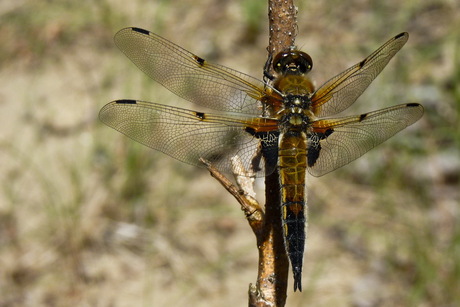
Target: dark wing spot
x=250 y=130
x=361 y=64
x=199 y=60
x=313 y=154
x=362 y=117
x=412 y=105
x=400 y=35
x=126 y=101
x=141 y=31
x=328 y=132
x=314 y=145
x=269 y=148
x=200 y=115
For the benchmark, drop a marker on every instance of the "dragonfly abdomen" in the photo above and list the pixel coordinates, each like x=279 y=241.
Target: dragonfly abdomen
x=292 y=165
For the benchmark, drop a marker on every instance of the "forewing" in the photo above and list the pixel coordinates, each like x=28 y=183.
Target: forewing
x=341 y=91
x=188 y=135
x=189 y=76
x=336 y=142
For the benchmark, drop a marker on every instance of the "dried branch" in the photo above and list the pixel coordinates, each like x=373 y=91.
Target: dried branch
x=271 y=286
x=251 y=208
x=282 y=16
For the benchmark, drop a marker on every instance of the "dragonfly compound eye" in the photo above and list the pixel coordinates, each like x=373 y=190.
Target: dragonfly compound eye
x=293 y=62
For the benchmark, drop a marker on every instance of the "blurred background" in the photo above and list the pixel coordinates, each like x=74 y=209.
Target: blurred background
x=88 y=217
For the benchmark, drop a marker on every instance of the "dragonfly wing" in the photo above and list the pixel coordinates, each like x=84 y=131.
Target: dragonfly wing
x=188 y=135
x=189 y=76
x=336 y=142
x=341 y=91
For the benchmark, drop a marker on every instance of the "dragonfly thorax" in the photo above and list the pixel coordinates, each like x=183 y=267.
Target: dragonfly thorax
x=296 y=112
x=297 y=101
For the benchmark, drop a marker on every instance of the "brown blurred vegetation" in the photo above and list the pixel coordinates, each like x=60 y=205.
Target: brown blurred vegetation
x=90 y=218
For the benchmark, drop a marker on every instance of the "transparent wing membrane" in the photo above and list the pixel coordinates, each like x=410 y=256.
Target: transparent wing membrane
x=341 y=91
x=261 y=127
x=188 y=135
x=189 y=76
x=338 y=141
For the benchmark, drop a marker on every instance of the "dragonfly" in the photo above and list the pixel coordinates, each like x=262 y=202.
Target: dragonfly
x=278 y=123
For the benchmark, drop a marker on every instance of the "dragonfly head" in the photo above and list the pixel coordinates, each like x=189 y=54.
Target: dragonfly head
x=292 y=62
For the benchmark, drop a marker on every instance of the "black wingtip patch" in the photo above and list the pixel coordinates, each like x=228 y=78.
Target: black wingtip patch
x=200 y=115
x=400 y=35
x=412 y=105
x=126 y=101
x=140 y=30
x=199 y=60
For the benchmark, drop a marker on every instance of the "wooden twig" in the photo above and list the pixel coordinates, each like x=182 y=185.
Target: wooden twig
x=271 y=286
x=282 y=15
x=251 y=208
